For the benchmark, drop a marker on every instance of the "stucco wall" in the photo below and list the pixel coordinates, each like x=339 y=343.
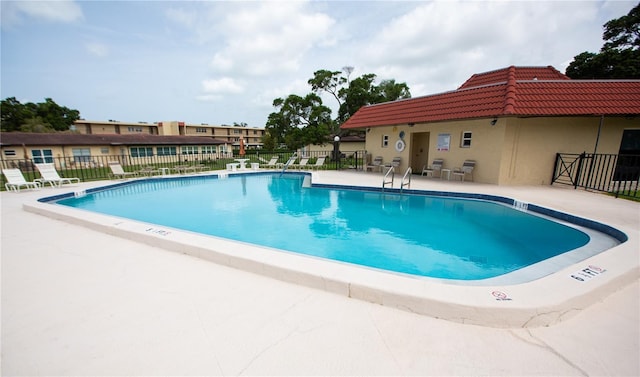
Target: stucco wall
x=482 y=149
x=531 y=144
x=513 y=151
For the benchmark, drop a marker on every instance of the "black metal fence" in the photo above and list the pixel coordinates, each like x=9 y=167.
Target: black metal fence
x=618 y=174
x=93 y=168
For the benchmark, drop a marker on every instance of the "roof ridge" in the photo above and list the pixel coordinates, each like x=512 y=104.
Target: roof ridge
x=510 y=93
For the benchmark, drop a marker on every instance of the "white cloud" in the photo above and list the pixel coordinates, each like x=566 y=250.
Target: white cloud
x=182 y=56
x=97 y=49
x=270 y=38
x=439 y=44
x=54 y=11
x=209 y=98
x=223 y=85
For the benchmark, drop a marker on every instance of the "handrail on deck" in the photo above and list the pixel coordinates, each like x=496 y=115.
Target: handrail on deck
x=386 y=175
x=289 y=162
x=404 y=178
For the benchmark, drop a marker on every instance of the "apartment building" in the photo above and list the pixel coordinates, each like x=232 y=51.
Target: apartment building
x=229 y=134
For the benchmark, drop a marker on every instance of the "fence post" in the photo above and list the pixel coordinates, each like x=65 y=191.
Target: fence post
x=555 y=168
x=579 y=170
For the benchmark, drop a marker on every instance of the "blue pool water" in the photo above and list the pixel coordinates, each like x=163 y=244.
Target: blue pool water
x=422 y=235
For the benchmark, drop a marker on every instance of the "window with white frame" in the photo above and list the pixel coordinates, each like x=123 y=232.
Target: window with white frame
x=40 y=156
x=9 y=152
x=201 y=130
x=385 y=141
x=208 y=149
x=189 y=149
x=141 y=151
x=134 y=129
x=465 y=141
x=81 y=154
x=166 y=151
x=104 y=150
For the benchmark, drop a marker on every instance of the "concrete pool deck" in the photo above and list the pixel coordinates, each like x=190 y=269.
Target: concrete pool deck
x=79 y=301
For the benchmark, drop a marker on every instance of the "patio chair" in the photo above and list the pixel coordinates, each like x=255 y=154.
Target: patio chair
x=319 y=163
x=149 y=171
x=467 y=168
x=289 y=162
x=435 y=167
x=302 y=165
x=15 y=180
x=376 y=164
x=271 y=164
x=50 y=175
x=118 y=172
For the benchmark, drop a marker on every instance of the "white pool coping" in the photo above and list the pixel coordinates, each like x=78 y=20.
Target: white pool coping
x=542 y=302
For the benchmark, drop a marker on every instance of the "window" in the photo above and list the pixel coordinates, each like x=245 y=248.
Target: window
x=104 y=150
x=134 y=129
x=42 y=156
x=208 y=149
x=166 y=151
x=81 y=154
x=385 y=141
x=9 y=152
x=237 y=131
x=141 y=151
x=189 y=149
x=465 y=142
x=201 y=130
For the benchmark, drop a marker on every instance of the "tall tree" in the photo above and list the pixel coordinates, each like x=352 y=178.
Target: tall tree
x=13 y=114
x=35 y=117
x=305 y=120
x=619 y=57
x=299 y=121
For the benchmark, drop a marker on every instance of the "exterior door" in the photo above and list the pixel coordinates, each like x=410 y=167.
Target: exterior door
x=419 y=151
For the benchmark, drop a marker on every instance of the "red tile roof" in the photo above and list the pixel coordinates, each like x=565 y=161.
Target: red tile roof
x=519 y=74
x=549 y=94
x=20 y=138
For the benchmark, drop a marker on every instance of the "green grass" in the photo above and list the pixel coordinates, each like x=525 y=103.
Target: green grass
x=629 y=195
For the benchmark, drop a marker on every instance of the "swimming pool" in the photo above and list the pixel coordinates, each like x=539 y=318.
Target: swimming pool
x=465 y=238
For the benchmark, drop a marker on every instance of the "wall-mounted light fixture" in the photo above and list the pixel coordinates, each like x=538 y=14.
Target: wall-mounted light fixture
x=368 y=129
x=494 y=121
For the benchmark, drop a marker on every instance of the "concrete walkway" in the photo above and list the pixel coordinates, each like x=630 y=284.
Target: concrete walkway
x=80 y=302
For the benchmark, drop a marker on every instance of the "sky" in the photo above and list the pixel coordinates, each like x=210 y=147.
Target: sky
x=223 y=62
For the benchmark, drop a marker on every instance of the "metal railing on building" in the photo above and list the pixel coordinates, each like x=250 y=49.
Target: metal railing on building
x=618 y=174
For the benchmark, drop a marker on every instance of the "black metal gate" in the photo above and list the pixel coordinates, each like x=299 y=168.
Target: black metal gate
x=618 y=174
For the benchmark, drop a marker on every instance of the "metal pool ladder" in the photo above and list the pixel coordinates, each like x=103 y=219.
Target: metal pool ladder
x=289 y=162
x=406 y=179
x=385 y=180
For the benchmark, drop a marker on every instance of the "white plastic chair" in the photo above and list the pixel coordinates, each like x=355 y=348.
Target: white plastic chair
x=15 y=180
x=50 y=175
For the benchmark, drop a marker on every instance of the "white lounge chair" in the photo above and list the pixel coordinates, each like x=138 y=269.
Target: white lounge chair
x=118 y=172
x=434 y=168
x=50 y=175
x=289 y=162
x=302 y=164
x=319 y=163
x=15 y=180
x=272 y=163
